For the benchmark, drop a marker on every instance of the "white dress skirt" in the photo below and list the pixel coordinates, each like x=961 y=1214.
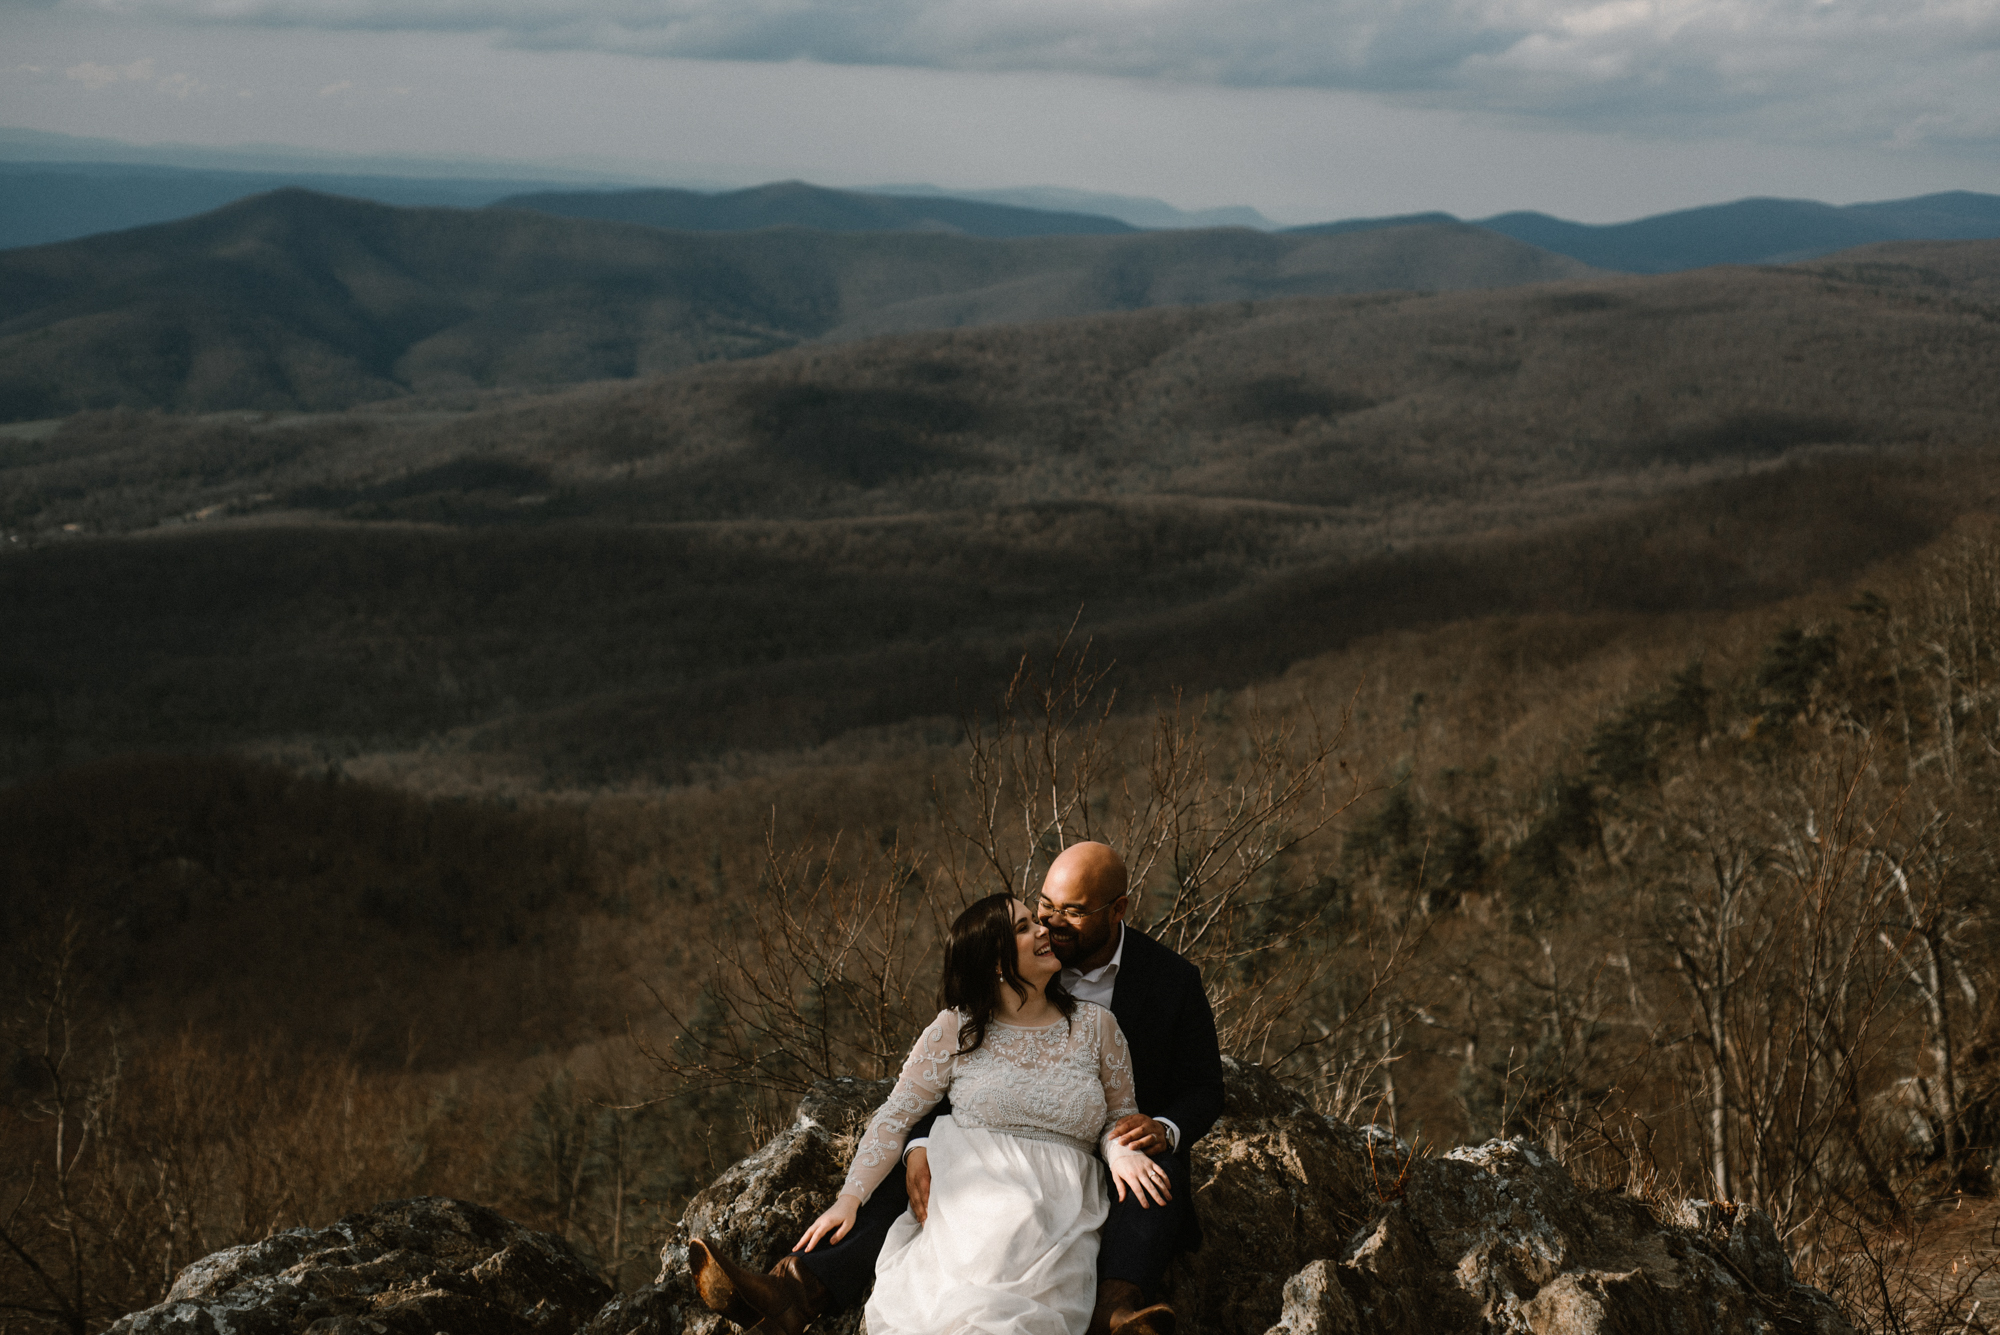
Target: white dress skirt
x=1010 y=1245
x=1018 y=1194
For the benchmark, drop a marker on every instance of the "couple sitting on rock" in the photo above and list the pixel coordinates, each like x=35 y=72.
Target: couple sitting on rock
x=976 y=1198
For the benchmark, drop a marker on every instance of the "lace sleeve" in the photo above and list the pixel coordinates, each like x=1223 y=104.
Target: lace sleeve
x=925 y=1080
x=1114 y=1068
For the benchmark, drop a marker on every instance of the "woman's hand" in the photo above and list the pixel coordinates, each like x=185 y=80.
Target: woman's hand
x=838 y=1219
x=1143 y=1178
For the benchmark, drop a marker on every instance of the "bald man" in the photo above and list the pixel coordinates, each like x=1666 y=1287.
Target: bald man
x=1159 y=1002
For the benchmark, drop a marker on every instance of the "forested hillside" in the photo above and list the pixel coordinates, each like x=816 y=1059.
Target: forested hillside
x=1689 y=899
x=1565 y=711
x=618 y=583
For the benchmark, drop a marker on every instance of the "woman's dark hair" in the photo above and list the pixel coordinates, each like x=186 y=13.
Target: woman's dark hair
x=979 y=956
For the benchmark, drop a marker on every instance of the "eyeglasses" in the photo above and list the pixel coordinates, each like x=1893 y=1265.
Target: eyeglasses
x=1071 y=914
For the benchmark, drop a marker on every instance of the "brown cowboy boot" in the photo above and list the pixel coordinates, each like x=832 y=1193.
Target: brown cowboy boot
x=811 y=1301
x=789 y=1294
x=1121 y=1310
x=1159 y=1319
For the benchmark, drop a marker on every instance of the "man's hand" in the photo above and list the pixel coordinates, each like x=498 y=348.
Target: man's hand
x=917 y=1177
x=1140 y=1132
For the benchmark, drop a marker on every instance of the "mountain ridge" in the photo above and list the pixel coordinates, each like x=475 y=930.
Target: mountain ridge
x=42 y=203
x=48 y=199
x=297 y=301
x=799 y=204
x=1755 y=231
x=1138 y=210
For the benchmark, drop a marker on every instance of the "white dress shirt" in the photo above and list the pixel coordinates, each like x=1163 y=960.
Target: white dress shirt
x=1095 y=987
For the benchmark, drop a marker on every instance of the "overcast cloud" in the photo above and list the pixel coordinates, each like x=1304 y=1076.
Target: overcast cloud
x=1893 y=70
x=1306 y=110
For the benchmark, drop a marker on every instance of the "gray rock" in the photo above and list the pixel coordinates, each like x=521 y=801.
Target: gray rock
x=652 y=1310
x=1756 y=1254
x=1316 y=1304
x=1312 y=1228
x=1277 y=1186
x=1499 y=1238
x=430 y=1266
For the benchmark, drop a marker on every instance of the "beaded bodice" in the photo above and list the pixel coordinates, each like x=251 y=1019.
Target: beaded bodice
x=1067 y=1082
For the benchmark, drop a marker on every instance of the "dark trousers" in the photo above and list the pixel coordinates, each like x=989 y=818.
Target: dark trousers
x=1137 y=1244
x=847 y=1267
x=1139 y=1241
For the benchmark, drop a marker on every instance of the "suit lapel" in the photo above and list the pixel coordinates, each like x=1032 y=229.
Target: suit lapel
x=1129 y=989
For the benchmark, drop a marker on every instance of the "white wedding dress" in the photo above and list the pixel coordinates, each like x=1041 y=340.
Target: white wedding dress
x=1017 y=1193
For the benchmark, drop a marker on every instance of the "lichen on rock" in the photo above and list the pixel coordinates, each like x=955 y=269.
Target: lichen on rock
x=1500 y=1238
x=415 y=1267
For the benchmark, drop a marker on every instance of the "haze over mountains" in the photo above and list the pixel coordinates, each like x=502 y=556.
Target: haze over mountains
x=796 y=204
x=1137 y=210
x=44 y=199
x=42 y=203
x=294 y=300
x=1755 y=231
x=60 y=187
x=298 y=301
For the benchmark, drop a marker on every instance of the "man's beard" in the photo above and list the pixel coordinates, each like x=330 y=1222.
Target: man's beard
x=1073 y=946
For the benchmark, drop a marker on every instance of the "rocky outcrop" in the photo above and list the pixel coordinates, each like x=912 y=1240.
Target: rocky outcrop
x=1312 y=1228
x=1277 y=1186
x=1499 y=1237
x=430 y=1266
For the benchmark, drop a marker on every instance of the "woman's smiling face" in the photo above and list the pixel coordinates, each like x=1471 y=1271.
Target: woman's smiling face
x=1036 y=961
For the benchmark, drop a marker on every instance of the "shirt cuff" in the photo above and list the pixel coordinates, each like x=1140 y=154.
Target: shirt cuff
x=1173 y=1132
x=923 y=1143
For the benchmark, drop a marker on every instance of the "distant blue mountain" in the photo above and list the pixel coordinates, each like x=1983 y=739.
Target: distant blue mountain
x=1755 y=231
x=1139 y=210
x=797 y=204
x=45 y=201
x=1749 y=231
x=41 y=202
x=1372 y=224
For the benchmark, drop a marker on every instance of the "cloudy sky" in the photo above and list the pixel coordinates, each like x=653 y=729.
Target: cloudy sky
x=1306 y=109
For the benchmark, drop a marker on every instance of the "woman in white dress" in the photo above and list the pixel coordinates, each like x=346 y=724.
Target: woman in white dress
x=1037 y=1080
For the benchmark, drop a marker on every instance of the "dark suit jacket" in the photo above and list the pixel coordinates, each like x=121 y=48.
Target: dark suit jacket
x=1158 y=1001
x=1176 y=1062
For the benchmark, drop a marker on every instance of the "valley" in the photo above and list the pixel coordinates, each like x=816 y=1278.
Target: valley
x=475 y=685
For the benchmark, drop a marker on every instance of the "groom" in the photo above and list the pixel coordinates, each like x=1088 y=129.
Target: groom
x=1158 y=1000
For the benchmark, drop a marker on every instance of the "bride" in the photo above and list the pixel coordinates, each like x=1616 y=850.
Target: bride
x=1037 y=1080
